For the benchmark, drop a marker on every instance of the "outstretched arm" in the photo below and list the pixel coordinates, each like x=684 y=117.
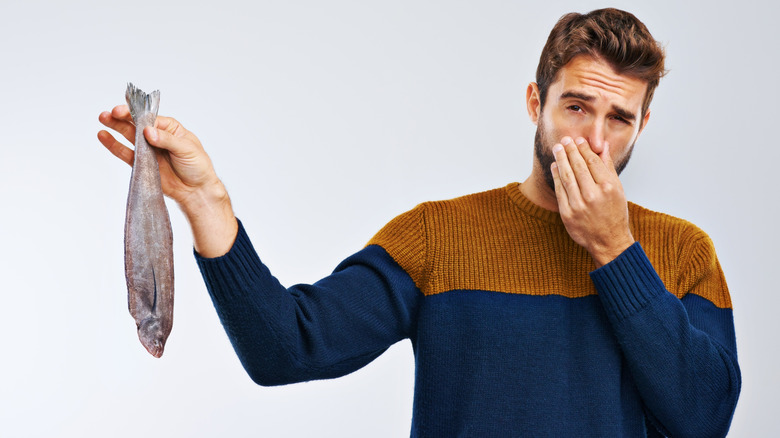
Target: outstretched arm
x=281 y=335
x=304 y=332
x=187 y=176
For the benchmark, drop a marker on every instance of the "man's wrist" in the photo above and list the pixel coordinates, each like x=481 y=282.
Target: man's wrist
x=208 y=197
x=602 y=256
x=211 y=217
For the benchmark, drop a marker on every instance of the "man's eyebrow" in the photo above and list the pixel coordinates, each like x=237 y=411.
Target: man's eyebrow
x=622 y=112
x=576 y=95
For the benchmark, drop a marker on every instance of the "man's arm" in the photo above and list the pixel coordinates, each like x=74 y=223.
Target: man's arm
x=305 y=332
x=281 y=335
x=681 y=352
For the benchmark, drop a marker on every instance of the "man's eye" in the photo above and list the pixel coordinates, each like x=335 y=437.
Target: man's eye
x=620 y=119
x=575 y=108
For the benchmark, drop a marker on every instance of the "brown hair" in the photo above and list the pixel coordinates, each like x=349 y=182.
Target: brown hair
x=615 y=36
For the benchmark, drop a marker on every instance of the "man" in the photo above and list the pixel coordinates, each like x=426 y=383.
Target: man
x=548 y=308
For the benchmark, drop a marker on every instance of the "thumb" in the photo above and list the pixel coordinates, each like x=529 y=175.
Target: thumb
x=164 y=140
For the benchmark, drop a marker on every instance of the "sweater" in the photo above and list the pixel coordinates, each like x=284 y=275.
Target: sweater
x=514 y=332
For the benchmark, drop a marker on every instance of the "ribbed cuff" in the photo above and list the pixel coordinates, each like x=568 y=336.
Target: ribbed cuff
x=628 y=283
x=233 y=271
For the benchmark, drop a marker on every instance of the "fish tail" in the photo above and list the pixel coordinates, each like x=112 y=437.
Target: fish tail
x=140 y=102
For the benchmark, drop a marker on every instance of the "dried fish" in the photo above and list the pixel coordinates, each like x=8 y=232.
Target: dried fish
x=148 y=235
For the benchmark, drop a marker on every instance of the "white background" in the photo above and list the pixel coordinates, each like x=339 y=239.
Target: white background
x=325 y=120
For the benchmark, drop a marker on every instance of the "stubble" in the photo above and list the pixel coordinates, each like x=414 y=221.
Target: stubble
x=543 y=144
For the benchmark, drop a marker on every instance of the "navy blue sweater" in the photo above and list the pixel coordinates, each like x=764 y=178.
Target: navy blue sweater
x=514 y=332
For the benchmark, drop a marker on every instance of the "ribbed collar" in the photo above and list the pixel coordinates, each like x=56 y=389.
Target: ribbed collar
x=528 y=207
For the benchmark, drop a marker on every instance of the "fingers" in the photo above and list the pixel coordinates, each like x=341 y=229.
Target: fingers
x=600 y=167
x=119 y=120
x=560 y=192
x=572 y=172
x=169 y=134
x=582 y=159
x=119 y=150
x=576 y=160
x=122 y=112
x=578 y=173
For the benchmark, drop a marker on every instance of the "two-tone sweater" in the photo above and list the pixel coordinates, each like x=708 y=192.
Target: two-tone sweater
x=514 y=331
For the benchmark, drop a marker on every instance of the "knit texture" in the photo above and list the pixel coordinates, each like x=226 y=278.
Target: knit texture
x=500 y=241
x=514 y=332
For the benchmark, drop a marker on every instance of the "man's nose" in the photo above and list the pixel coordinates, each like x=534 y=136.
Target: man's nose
x=596 y=135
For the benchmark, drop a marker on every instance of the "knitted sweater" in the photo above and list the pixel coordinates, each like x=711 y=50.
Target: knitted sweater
x=513 y=335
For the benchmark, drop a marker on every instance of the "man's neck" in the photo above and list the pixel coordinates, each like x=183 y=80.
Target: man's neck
x=537 y=191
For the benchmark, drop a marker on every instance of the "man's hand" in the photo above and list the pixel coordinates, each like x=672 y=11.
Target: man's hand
x=184 y=166
x=591 y=199
x=186 y=174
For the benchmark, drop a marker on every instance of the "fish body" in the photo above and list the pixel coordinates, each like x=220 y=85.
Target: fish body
x=148 y=235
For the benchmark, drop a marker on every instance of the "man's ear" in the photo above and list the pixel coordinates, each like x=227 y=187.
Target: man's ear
x=645 y=119
x=533 y=102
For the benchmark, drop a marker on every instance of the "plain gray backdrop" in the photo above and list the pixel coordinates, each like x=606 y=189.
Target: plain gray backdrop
x=326 y=119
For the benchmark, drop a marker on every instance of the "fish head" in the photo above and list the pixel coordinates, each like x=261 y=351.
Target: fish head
x=152 y=336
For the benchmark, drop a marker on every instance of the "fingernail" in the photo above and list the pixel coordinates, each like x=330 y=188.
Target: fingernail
x=579 y=141
x=557 y=148
x=565 y=140
x=152 y=133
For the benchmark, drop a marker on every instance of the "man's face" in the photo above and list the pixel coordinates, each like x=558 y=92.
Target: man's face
x=589 y=100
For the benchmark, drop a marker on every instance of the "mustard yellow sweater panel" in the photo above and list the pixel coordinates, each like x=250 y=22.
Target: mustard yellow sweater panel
x=500 y=241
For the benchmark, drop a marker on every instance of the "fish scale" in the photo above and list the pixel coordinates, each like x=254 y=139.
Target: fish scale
x=148 y=234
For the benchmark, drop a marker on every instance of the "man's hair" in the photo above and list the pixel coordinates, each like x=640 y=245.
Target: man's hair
x=612 y=35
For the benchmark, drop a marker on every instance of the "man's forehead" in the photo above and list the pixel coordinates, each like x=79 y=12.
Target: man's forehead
x=594 y=77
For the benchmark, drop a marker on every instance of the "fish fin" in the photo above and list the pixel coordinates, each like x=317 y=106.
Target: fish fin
x=154 y=303
x=140 y=102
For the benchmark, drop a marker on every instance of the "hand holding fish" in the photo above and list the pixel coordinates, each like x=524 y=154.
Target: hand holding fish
x=184 y=165
x=187 y=176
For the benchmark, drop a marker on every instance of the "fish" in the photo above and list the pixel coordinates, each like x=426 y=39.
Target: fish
x=148 y=234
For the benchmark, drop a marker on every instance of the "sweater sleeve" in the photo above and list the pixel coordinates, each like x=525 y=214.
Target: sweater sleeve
x=680 y=351
x=324 y=330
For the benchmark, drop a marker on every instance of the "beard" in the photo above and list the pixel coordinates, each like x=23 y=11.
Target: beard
x=543 y=144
